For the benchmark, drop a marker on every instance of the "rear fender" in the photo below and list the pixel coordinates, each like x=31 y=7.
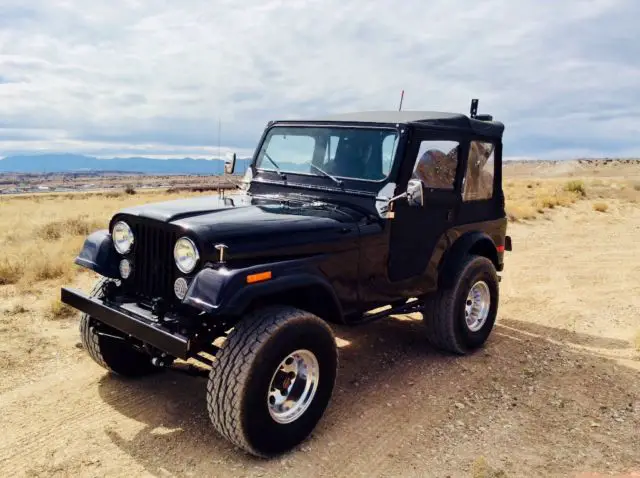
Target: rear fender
x=476 y=242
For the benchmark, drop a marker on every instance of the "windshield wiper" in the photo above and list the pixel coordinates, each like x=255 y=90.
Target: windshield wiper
x=275 y=165
x=333 y=178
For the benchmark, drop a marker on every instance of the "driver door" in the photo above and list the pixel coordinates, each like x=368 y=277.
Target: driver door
x=415 y=230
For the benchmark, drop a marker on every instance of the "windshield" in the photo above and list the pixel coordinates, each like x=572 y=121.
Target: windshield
x=352 y=153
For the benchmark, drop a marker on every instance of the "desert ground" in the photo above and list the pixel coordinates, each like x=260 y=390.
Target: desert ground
x=555 y=392
x=18 y=183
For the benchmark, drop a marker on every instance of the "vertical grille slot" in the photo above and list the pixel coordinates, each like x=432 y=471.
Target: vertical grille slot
x=153 y=249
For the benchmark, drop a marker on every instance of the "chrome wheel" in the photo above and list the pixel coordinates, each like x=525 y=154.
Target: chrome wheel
x=477 y=307
x=293 y=386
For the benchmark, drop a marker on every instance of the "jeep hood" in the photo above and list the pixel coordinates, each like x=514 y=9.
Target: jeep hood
x=250 y=226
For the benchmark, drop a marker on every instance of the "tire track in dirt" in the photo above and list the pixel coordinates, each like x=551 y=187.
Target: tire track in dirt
x=396 y=411
x=62 y=405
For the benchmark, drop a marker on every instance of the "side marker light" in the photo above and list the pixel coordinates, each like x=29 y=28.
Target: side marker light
x=259 y=277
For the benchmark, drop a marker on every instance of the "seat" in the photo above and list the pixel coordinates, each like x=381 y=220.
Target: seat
x=436 y=169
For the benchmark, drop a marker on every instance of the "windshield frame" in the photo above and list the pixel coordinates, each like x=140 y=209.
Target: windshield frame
x=345 y=179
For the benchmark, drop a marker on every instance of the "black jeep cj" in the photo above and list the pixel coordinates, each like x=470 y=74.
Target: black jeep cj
x=345 y=219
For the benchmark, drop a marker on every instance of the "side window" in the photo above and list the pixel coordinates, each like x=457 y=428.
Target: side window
x=478 y=180
x=374 y=150
x=436 y=164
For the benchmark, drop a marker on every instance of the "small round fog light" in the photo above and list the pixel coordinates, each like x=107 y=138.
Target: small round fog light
x=180 y=287
x=125 y=268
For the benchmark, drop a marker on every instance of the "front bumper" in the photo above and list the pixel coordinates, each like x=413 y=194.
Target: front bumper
x=141 y=325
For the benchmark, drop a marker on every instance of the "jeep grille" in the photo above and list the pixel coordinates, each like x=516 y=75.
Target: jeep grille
x=154 y=271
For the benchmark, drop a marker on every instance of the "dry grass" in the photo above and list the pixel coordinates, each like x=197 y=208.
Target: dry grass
x=41 y=260
x=112 y=194
x=75 y=226
x=600 y=207
x=16 y=310
x=636 y=341
x=480 y=468
x=40 y=235
x=526 y=199
x=10 y=271
x=521 y=211
x=615 y=188
x=576 y=186
x=58 y=310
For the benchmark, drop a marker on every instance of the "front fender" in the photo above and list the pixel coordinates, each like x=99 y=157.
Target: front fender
x=223 y=291
x=99 y=255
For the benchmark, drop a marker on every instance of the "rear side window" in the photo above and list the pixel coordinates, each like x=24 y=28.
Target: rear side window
x=436 y=164
x=478 y=180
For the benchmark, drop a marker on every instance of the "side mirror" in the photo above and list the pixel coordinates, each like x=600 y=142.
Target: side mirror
x=230 y=163
x=415 y=193
x=414 y=196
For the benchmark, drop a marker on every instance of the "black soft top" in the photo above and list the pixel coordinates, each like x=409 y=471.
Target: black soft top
x=424 y=118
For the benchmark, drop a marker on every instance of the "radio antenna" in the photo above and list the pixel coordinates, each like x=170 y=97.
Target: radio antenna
x=219 y=128
x=401 y=98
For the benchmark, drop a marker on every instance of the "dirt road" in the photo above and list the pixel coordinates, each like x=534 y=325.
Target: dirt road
x=556 y=392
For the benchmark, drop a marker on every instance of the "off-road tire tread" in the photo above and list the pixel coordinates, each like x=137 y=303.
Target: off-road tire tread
x=91 y=342
x=232 y=367
x=88 y=335
x=438 y=307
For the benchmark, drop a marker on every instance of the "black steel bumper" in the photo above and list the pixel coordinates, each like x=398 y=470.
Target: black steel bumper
x=141 y=327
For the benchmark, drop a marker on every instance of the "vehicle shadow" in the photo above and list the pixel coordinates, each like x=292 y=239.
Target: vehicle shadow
x=569 y=337
x=394 y=395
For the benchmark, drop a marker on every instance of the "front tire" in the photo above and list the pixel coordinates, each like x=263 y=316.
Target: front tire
x=114 y=354
x=272 y=380
x=460 y=319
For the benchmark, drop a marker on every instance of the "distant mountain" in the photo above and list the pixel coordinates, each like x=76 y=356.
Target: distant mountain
x=73 y=163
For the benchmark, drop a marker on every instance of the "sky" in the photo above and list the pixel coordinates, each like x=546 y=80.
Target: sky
x=158 y=77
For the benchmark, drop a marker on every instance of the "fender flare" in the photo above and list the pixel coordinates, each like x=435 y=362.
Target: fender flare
x=99 y=255
x=479 y=242
x=226 y=292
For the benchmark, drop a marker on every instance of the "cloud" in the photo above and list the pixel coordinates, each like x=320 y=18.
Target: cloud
x=123 y=76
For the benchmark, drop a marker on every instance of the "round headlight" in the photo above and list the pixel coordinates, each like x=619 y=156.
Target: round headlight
x=186 y=255
x=122 y=237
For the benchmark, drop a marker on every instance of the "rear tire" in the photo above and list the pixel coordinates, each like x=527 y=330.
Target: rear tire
x=271 y=357
x=460 y=319
x=115 y=355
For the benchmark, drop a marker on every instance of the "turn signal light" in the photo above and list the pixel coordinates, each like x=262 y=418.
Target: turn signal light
x=259 y=277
